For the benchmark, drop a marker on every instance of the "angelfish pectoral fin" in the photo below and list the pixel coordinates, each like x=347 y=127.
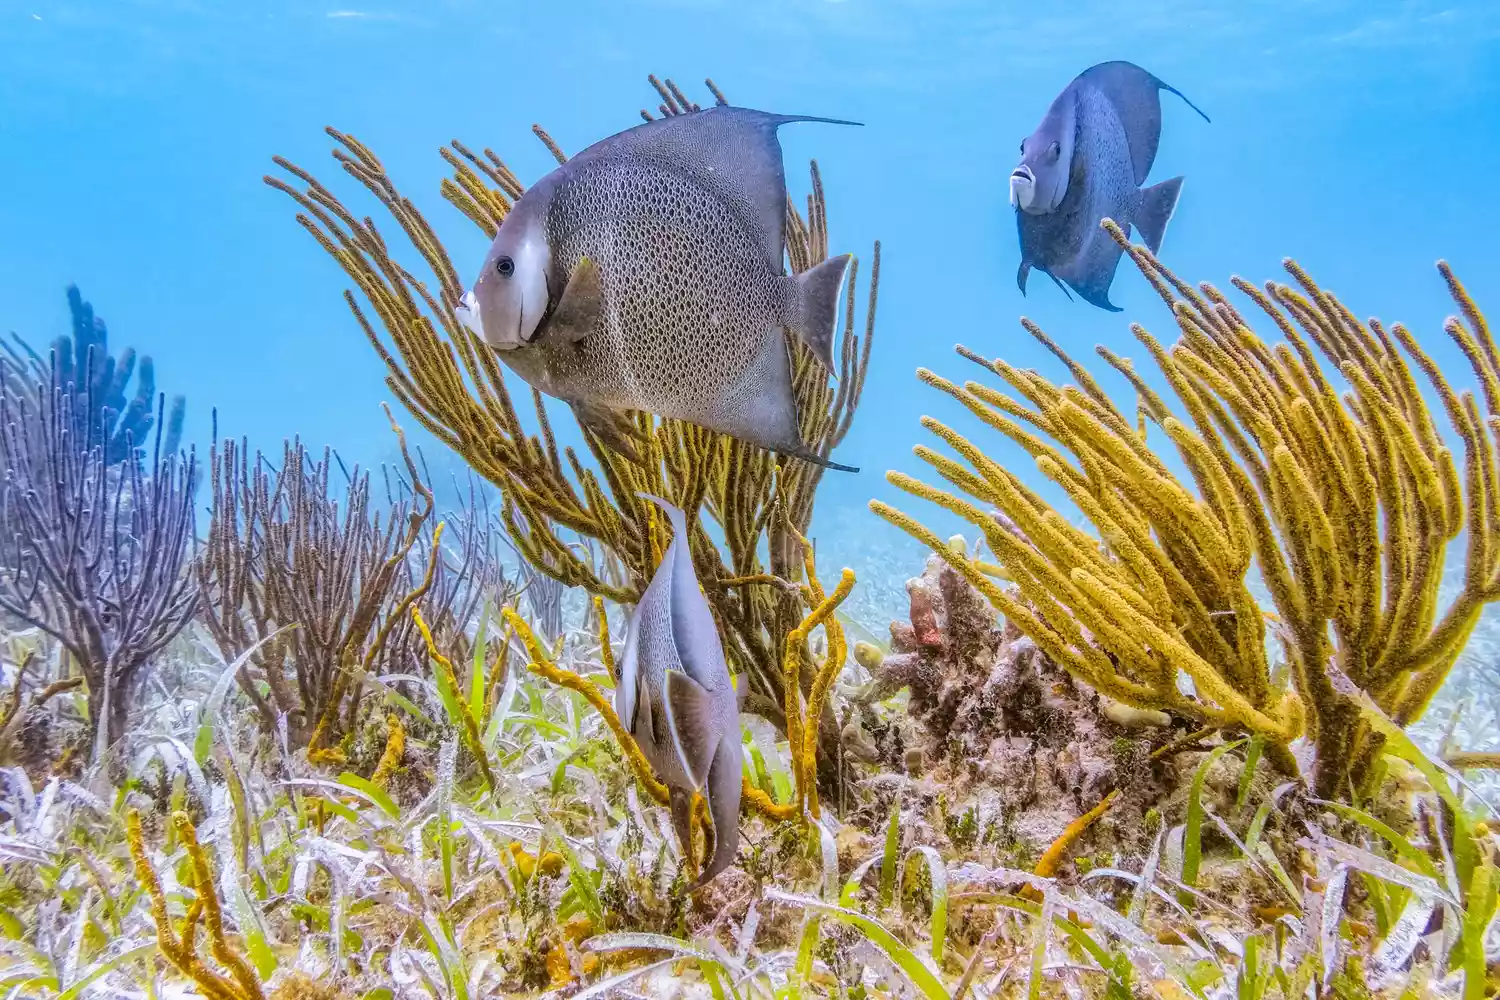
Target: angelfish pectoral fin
x=724 y=785
x=690 y=721
x=577 y=312
x=642 y=726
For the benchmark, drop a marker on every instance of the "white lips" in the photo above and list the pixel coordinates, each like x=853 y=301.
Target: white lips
x=468 y=314
x=1023 y=188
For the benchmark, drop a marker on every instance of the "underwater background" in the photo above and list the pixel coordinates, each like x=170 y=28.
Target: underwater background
x=1363 y=139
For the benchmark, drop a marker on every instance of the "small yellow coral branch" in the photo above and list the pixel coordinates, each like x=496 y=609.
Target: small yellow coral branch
x=208 y=897
x=1052 y=858
x=765 y=805
x=606 y=653
x=807 y=761
x=469 y=727
x=1473 y=758
x=395 y=748
x=180 y=948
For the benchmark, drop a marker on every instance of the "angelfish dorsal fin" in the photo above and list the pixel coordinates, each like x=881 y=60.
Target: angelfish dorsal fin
x=694 y=633
x=732 y=151
x=690 y=721
x=1135 y=95
x=577 y=311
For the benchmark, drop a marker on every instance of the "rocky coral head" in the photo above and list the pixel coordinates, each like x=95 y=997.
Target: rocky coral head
x=1001 y=747
x=943 y=650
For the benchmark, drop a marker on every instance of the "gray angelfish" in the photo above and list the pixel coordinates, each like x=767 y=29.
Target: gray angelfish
x=647 y=273
x=675 y=697
x=1086 y=162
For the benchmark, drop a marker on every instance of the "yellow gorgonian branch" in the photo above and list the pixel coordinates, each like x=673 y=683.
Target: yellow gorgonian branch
x=395 y=749
x=1056 y=852
x=803 y=732
x=179 y=946
x=468 y=725
x=1335 y=485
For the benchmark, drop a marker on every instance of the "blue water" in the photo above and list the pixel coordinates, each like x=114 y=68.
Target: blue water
x=1361 y=137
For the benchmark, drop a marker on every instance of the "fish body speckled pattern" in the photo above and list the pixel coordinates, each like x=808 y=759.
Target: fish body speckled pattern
x=647 y=273
x=675 y=696
x=1086 y=162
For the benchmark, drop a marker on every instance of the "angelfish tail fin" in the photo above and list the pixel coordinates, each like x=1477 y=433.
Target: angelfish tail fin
x=816 y=313
x=1158 y=202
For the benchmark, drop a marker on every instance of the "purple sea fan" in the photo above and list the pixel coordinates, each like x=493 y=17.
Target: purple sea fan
x=93 y=553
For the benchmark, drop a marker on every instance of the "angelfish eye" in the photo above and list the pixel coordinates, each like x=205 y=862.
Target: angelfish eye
x=505 y=267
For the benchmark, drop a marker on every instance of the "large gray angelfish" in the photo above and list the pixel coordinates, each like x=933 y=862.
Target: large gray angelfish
x=675 y=697
x=646 y=273
x=1086 y=162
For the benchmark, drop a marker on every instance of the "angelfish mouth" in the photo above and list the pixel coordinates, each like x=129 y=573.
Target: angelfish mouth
x=468 y=314
x=1021 y=180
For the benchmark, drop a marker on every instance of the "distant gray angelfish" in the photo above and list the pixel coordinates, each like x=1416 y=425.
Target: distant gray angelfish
x=646 y=273
x=675 y=697
x=1086 y=162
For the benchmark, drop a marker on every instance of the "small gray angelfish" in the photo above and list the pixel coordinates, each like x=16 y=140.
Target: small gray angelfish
x=675 y=697
x=647 y=273
x=1086 y=162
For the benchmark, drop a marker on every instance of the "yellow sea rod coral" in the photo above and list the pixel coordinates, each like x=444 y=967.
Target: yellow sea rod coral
x=1344 y=499
x=180 y=945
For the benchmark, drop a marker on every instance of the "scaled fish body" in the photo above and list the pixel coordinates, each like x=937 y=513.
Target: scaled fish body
x=675 y=697
x=1086 y=162
x=647 y=273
